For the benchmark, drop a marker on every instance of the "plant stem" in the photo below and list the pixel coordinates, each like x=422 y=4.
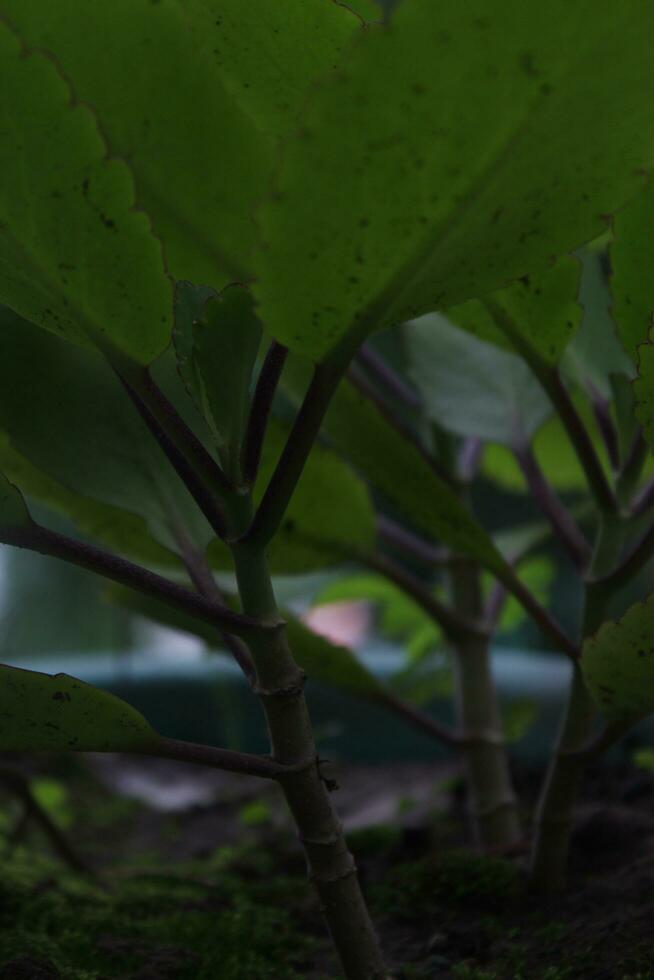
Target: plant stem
x=54 y=545
x=137 y=378
x=20 y=786
x=551 y=382
x=411 y=544
x=555 y=810
x=494 y=807
x=203 y=497
x=538 y=613
x=630 y=473
x=202 y=578
x=417 y=718
x=389 y=380
x=563 y=525
x=403 y=429
x=280 y=685
x=260 y=409
x=306 y=427
x=454 y=624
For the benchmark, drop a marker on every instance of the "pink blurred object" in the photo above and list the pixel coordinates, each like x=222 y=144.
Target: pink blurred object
x=347 y=623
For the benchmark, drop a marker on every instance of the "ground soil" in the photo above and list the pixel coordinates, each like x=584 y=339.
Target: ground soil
x=197 y=875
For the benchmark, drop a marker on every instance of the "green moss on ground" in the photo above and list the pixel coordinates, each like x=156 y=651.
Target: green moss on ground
x=194 y=923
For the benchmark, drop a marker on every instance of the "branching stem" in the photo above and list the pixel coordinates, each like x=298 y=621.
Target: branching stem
x=562 y=523
x=453 y=625
x=54 y=545
x=551 y=382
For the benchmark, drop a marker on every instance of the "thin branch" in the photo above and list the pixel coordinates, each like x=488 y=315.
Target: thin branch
x=33 y=810
x=203 y=580
x=271 y=510
x=453 y=625
x=54 y=545
x=580 y=439
x=602 y=413
x=138 y=378
x=260 y=409
x=404 y=430
x=494 y=605
x=547 y=624
x=644 y=500
x=469 y=458
x=226 y=759
x=551 y=382
x=631 y=565
x=418 y=719
x=611 y=733
x=563 y=525
x=388 y=379
x=633 y=465
x=205 y=500
x=412 y=545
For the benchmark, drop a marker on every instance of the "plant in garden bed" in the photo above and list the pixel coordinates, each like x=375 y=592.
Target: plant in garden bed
x=155 y=154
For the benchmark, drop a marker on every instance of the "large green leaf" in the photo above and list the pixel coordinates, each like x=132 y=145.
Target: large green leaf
x=55 y=713
x=632 y=260
x=118 y=529
x=322 y=660
x=76 y=255
x=394 y=467
x=460 y=147
x=544 y=309
x=194 y=94
x=472 y=388
x=618 y=664
x=217 y=338
x=330 y=516
x=66 y=413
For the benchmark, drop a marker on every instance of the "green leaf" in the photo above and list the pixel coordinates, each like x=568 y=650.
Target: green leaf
x=330 y=516
x=394 y=468
x=618 y=665
x=118 y=529
x=76 y=256
x=554 y=453
x=217 y=343
x=195 y=94
x=323 y=661
x=66 y=413
x=55 y=713
x=595 y=353
x=632 y=256
x=459 y=148
x=518 y=717
x=472 y=388
x=544 y=309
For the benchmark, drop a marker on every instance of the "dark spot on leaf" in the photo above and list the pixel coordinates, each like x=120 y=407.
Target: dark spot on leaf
x=528 y=64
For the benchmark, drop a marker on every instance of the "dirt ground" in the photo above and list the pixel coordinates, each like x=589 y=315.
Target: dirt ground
x=198 y=875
